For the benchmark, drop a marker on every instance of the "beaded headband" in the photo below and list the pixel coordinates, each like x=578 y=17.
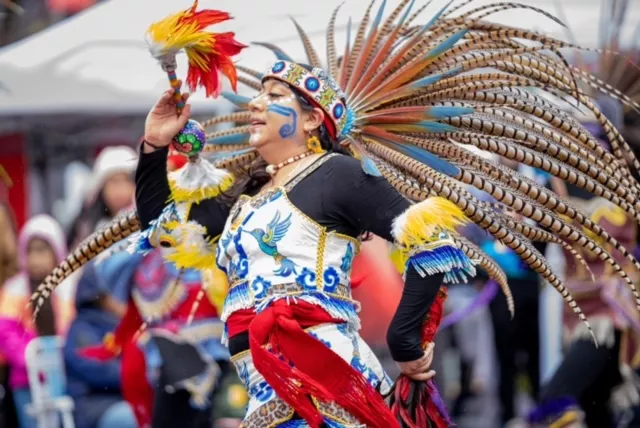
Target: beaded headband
x=320 y=88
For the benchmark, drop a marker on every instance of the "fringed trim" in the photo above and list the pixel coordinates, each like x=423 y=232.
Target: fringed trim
x=225 y=336
x=626 y=396
x=239 y=298
x=199 y=180
x=602 y=327
x=556 y=413
x=428 y=221
x=344 y=310
x=145 y=241
x=447 y=259
x=141 y=244
x=201 y=386
x=192 y=249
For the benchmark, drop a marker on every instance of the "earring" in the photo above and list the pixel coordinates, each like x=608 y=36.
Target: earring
x=314 y=145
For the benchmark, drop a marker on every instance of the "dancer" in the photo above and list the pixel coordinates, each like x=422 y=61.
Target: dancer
x=287 y=215
x=171 y=364
x=171 y=353
x=41 y=245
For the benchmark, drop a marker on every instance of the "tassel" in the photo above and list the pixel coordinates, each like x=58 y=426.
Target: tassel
x=299 y=367
x=419 y=404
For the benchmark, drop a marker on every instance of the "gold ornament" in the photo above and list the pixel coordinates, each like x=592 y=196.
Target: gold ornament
x=314 y=145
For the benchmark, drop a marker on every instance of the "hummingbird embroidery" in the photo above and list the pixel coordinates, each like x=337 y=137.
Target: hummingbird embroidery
x=268 y=241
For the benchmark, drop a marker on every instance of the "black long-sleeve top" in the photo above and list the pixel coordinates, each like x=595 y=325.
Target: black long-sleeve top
x=338 y=195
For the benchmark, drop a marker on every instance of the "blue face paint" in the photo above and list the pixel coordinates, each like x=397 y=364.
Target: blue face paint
x=289 y=129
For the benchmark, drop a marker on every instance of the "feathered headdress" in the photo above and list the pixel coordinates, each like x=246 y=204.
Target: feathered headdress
x=419 y=96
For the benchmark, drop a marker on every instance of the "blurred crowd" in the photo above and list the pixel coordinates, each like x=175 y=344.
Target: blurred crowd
x=87 y=309
x=21 y=18
x=488 y=362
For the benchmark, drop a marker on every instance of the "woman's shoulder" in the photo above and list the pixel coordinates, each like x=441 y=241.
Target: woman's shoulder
x=341 y=166
x=342 y=161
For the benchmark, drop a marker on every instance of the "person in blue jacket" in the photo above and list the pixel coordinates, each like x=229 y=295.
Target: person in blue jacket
x=96 y=385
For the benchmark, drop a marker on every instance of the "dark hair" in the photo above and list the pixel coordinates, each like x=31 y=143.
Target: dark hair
x=256 y=176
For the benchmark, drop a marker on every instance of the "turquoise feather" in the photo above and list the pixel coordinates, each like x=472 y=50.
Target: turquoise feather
x=447 y=44
x=369 y=167
x=424 y=156
x=440 y=112
x=434 y=78
x=238 y=100
x=279 y=53
x=378 y=18
x=230 y=139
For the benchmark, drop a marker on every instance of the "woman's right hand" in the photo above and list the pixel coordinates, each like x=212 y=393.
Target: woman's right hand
x=163 y=123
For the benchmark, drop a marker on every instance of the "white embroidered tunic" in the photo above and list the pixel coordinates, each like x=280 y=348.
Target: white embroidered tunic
x=271 y=250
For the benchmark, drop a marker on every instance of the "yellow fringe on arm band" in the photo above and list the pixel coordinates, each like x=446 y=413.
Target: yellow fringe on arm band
x=423 y=238
x=198 y=194
x=424 y=222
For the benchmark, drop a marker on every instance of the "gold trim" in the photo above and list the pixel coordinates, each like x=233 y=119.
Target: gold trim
x=240 y=355
x=567 y=418
x=283 y=287
x=322 y=408
x=322 y=247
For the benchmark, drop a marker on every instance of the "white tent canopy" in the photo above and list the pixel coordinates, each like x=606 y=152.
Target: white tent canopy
x=97 y=62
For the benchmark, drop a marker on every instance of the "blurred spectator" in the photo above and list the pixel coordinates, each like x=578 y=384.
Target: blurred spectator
x=517 y=339
x=41 y=247
x=21 y=18
x=475 y=391
x=96 y=385
x=8 y=231
x=67 y=8
x=8 y=268
x=112 y=190
x=8 y=243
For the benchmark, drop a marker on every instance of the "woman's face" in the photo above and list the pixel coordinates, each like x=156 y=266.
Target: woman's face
x=118 y=192
x=275 y=115
x=41 y=259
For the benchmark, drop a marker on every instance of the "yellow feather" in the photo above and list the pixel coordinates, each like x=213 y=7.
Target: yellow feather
x=399 y=259
x=192 y=250
x=180 y=194
x=426 y=222
x=175 y=33
x=217 y=286
x=192 y=257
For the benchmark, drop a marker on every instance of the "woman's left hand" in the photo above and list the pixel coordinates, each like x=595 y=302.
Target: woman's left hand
x=420 y=369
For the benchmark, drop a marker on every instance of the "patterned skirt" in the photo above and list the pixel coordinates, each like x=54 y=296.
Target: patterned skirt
x=267 y=410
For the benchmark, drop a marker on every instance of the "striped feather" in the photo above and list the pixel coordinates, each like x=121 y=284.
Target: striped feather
x=423 y=91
